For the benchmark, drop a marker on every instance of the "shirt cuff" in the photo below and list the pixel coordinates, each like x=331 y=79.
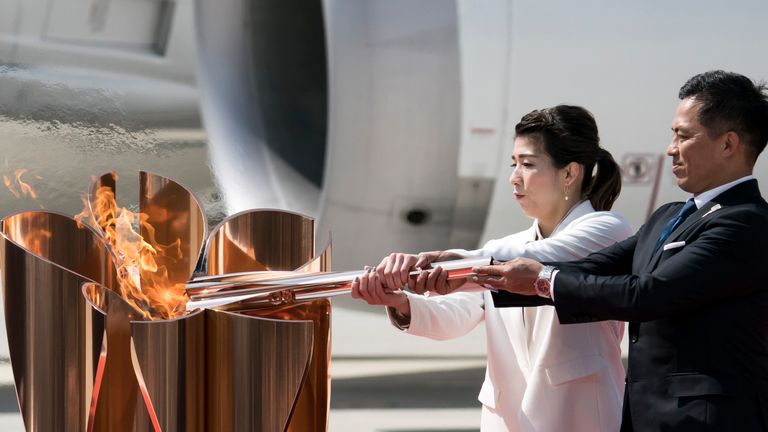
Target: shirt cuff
x=552 y=285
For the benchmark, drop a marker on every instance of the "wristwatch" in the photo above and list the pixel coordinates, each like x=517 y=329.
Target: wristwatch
x=543 y=282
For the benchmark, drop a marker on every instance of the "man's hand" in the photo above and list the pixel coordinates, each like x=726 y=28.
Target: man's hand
x=517 y=276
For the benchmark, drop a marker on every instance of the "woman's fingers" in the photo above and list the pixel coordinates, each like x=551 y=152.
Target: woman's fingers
x=377 y=290
x=433 y=277
x=393 y=276
x=420 y=286
x=406 y=266
x=441 y=285
x=424 y=260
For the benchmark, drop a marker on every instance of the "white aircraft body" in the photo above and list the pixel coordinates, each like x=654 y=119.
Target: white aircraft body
x=390 y=121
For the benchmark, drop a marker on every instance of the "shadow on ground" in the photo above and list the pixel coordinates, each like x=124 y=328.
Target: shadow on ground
x=444 y=389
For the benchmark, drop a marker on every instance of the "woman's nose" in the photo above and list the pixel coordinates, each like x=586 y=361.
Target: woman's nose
x=515 y=179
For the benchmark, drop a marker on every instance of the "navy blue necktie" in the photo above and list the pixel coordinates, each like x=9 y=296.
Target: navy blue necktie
x=687 y=210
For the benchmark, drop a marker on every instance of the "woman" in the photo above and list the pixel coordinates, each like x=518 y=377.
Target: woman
x=541 y=376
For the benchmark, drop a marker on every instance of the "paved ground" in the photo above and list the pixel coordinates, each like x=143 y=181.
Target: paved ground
x=406 y=395
x=376 y=395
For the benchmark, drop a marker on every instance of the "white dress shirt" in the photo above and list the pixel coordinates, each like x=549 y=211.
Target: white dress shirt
x=707 y=196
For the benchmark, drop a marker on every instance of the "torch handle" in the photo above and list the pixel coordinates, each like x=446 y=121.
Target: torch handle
x=318 y=285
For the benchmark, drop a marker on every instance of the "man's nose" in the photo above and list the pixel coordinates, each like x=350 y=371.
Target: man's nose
x=672 y=149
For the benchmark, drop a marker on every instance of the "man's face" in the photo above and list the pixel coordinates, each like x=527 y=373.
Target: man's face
x=696 y=155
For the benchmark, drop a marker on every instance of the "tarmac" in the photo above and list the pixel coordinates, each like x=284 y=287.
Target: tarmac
x=368 y=395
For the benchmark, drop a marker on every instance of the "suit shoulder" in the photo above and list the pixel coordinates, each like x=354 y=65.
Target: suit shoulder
x=752 y=216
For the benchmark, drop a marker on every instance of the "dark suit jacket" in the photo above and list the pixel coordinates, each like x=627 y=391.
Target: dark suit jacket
x=698 y=314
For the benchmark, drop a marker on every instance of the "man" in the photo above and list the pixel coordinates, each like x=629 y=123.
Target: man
x=692 y=282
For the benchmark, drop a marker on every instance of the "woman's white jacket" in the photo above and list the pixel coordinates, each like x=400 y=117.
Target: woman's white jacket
x=541 y=376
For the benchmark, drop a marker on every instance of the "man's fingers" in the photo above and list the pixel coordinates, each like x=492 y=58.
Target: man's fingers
x=494 y=281
x=489 y=270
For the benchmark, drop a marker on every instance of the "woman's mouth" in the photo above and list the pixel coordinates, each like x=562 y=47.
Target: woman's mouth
x=519 y=196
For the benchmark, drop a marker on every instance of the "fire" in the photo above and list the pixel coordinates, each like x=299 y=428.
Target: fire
x=141 y=275
x=9 y=185
x=24 y=188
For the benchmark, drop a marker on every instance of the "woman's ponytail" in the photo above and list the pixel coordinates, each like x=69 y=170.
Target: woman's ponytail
x=606 y=184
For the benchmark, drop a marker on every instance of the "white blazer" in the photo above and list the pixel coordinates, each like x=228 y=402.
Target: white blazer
x=541 y=376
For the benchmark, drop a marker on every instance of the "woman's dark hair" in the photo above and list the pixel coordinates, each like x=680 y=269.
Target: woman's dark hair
x=569 y=134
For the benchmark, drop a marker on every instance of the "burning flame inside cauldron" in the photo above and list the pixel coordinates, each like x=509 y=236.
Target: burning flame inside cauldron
x=142 y=272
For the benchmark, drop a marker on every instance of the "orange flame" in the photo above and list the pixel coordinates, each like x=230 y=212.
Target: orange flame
x=9 y=185
x=143 y=280
x=25 y=189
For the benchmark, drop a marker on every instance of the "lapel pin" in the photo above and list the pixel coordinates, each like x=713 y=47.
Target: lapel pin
x=712 y=210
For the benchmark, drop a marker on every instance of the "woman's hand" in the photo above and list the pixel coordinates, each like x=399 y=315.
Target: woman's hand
x=517 y=276
x=369 y=288
x=395 y=270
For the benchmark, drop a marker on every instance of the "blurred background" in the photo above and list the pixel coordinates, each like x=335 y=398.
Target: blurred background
x=388 y=121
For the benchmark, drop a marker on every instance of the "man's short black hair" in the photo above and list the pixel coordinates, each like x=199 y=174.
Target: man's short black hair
x=731 y=101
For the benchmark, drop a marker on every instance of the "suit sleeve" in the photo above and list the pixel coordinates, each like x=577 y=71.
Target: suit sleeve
x=724 y=261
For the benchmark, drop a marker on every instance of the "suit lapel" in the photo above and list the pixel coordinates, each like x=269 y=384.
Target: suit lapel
x=739 y=194
x=697 y=217
x=645 y=250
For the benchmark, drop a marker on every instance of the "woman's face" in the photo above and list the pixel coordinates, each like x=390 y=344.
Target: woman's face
x=538 y=186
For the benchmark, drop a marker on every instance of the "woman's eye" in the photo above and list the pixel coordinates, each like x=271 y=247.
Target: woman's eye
x=527 y=164
x=513 y=166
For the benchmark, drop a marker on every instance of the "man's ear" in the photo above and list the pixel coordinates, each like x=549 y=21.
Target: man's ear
x=732 y=144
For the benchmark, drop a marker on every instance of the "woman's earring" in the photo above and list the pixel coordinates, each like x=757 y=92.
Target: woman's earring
x=566 y=193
